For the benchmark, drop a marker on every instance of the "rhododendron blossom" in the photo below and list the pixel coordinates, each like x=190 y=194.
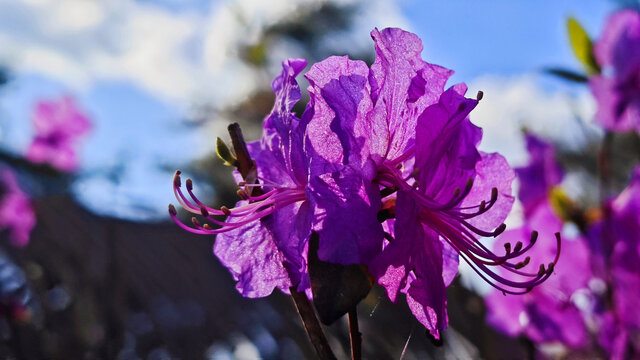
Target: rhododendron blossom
x=383 y=165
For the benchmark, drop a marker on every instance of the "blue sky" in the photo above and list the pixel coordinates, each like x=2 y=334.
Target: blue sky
x=139 y=121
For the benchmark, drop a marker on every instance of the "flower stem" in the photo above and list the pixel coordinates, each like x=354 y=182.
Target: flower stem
x=312 y=325
x=354 y=335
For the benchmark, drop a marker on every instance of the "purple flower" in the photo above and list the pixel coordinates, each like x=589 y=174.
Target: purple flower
x=264 y=239
x=386 y=135
x=58 y=124
x=615 y=241
x=549 y=312
x=395 y=127
x=16 y=214
x=617 y=90
x=540 y=176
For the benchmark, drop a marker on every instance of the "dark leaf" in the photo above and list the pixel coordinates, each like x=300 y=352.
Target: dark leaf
x=336 y=288
x=568 y=75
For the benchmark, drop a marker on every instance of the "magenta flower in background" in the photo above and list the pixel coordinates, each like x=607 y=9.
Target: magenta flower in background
x=540 y=176
x=617 y=89
x=16 y=215
x=549 y=312
x=58 y=124
x=615 y=242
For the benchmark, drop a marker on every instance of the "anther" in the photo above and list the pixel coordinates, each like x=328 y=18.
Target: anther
x=225 y=210
x=207 y=227
x=203 y=211
x=176 y=179
x=189 y=184
x=242 y=183
x=172 y=210
x=534 y=237
x=550 y=268
x=507 y=248
x=518 y=247
x=494 y=194
x=500 y=230
x=479 y=95
x=195 y=221
x=542 y=270
x=242 y=194
x=523 y=263
x=468 y=185
x=483 y=204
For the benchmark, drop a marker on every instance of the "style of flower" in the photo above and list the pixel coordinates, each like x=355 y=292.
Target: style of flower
x=617 y=90
x=58 y=125
x=16 y=214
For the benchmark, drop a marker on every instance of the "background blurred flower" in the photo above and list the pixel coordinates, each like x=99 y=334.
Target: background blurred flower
x=58 y=125
x=617 y=89
x=16 y=214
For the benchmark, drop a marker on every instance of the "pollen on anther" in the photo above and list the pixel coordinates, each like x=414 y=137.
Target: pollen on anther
x=225 y=210
x=207 y=227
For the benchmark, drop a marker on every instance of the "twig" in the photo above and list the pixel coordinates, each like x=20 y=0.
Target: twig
x=354 y=335
x=312 y=325
x=247 y=168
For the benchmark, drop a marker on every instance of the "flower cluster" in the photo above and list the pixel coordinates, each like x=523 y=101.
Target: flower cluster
x=550 y=312
x=383 y=166
x=58 y=125
x=594 y=289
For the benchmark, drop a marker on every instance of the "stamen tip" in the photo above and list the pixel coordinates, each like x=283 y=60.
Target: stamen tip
x=225 y=210
x=207 y=227
x=172 y=210
x=189 y=184
x=479 y=95
x=176 y=179
x=204 y=211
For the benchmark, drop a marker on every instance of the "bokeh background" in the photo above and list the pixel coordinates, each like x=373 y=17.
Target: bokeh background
x=111 y=277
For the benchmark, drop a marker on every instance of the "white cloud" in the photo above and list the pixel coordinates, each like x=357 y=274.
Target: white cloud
x=178 y=56
x=513 y=103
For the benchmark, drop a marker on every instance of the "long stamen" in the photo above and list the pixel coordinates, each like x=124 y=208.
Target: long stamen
x=257 y=207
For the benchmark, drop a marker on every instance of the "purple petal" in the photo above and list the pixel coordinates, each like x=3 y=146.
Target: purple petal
x=492 y=171
x=339 y=99
x=446 y=142
x=426 y=294
x=346 y=217
x=267 y=253
x=402 y=86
